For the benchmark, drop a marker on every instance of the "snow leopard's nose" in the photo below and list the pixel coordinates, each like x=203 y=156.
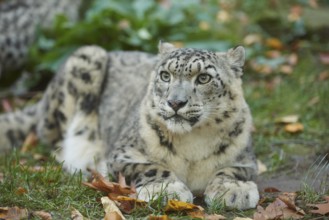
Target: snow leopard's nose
x=176 y=104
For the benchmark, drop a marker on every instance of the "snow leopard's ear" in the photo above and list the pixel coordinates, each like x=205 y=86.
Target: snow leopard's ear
x=236 y=58
x=165 y=47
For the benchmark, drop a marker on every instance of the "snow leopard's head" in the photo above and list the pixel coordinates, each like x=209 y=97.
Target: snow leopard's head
x=192 y=88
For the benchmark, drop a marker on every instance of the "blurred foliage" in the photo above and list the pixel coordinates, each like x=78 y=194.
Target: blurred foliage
x=210 y=24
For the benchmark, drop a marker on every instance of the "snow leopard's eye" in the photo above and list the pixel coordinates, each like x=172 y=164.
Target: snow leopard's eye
x=203 y=78
x=165 y=76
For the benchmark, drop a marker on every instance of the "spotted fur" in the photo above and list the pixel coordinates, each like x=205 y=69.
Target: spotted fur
x=176 y=122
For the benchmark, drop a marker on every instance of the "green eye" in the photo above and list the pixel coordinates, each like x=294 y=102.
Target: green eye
x=165 y=76
x=203 y=78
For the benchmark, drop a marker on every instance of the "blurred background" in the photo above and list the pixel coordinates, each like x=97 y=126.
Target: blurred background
x=286 y=78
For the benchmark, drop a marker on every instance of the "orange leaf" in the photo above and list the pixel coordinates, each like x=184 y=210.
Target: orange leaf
x=100 y=183
x=322 y=209
x=274 y=43
x=175 y=205
x=21 y=191
x=30 y=142
x=294 y=127
x=13 y=213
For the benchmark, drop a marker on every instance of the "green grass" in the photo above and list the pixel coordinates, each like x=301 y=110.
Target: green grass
x=51 y=190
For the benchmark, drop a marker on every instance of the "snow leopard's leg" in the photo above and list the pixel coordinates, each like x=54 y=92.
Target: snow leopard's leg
x=75 y=109
x=151 y=180
x=234 y=185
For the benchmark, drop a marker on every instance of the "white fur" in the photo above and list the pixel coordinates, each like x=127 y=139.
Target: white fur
x=78 y=153
x=170 y=191
x=246 y=193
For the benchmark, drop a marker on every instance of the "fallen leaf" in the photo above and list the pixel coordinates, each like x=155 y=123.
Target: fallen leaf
x=276 y=210
x=100 y=183
x=271 y=190
x=286 y=69
x=324 y=75
x=294 y=127
x=160 y=217
x=274 y=43
x=287 y=119
x=13 y=213
x=261 y=167
x=76 y=215
x=322 y=208
x=252 y=39
x=6 y=106
x=112 y=212
x=21 y=191
x=313 y=101
x=30 y=142
x=289 y=199
x=175 y=205
x=127 y=204
x=214 y=217
x=324 y=58
x=292 y=59
x=239 y=218
x=43 y=215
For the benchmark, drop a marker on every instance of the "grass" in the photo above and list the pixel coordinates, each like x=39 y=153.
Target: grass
x=43 y=185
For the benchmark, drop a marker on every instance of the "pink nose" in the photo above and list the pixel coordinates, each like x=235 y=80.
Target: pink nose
x=176 y=104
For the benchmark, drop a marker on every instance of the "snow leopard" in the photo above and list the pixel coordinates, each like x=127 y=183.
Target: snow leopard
x=174 y=123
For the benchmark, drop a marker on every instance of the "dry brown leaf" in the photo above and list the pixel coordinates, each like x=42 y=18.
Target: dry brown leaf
x=100 y=183
x=324 y=75
x=289 y=199
x=161 y=217
x=271 y=190
x=322 y=208
x=30 y=142
x=294 y=127
x=13 y=213
x=21 y=191
x=112 y=212
x=43 y=215
x=276 y=210
x=214 y=217
x=76 y=215
x=127 y=204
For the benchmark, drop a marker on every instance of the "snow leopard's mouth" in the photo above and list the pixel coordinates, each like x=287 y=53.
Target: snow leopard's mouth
x=180 y=119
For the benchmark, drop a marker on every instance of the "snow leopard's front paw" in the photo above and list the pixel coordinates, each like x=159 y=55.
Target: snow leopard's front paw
x=169 y=190
x=236 y=194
